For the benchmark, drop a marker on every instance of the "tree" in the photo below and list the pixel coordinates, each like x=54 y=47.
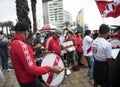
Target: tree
x=8 y=25
x=33 y=6
x=22 y=10
x=1 y=25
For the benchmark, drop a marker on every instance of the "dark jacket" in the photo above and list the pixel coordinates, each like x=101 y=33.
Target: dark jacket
x=114 y=76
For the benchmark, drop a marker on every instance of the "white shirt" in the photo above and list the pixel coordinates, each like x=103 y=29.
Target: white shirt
x=87 y=41
x=101 y=49
x=62 y=39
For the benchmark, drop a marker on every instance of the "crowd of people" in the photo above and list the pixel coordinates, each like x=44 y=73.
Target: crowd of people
x=70 y=45
x=4 y=54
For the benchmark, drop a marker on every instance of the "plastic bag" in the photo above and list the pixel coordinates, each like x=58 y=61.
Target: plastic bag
x=2 y=78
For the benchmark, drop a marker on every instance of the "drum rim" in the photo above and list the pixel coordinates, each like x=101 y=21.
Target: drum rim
x=63 y=73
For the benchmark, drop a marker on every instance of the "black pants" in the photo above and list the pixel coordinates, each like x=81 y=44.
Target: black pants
x=79 y=56
x=100 y=73
x=35 y=83
x=70 y=58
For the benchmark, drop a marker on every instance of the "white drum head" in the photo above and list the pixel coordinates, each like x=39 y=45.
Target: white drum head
x=57 y=79
x=115 y=52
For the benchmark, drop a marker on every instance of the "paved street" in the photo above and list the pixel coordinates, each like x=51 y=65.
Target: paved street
x=76 y=79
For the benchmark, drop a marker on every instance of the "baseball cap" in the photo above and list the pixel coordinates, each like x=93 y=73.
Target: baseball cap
x=22 y=26
x=58 y=32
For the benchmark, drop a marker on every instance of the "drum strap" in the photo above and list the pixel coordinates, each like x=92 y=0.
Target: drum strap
x=50 y=77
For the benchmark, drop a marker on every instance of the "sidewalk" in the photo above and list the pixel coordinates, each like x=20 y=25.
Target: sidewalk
x=10 y=80
x=76 y=79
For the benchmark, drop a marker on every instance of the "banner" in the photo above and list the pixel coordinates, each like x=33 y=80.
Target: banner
x=109 y=8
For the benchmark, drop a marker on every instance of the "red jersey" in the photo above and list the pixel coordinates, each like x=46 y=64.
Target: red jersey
x=22 y=57
x=79 y=43
x=53 y=45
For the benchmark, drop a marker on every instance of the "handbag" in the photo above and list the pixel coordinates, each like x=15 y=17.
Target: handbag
x=2 y=78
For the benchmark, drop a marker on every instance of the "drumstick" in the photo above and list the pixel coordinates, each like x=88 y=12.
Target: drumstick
x=66 y=68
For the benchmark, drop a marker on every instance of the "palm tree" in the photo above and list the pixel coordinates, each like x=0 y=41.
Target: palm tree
x=22 y=10
x=1 y=25
x=8 y=25
x=33 y=6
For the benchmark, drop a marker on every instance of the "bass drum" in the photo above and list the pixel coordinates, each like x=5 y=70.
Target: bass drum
x=53 y=79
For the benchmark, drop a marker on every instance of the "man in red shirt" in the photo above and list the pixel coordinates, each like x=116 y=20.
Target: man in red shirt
x=22 y=57
x=79 y=47
x=53 y=43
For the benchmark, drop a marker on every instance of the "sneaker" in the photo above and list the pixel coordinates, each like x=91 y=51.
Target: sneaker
x=91 y=81
x=68 y=72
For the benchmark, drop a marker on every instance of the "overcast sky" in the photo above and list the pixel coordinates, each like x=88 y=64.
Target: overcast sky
x=92 y=16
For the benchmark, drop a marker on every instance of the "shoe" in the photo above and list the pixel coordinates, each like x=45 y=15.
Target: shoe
x=91 y=81
x=68 y=72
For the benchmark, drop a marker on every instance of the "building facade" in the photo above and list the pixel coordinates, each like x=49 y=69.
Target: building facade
x=53 y=13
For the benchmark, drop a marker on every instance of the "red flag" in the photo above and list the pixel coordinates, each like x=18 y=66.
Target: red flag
x=109 y=8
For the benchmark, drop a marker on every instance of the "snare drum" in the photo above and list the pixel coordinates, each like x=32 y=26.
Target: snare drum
x=52 y=79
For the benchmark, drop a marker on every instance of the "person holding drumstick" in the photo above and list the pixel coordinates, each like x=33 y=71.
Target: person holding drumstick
x=22 y=57
x=53 y=43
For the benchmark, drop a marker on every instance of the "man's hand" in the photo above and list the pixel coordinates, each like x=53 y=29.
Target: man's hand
x=38 y=46
x=56 y=69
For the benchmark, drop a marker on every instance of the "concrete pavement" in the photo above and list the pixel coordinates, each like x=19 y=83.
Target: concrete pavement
x=76 y=79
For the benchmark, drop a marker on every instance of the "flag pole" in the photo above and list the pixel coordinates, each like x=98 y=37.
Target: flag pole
x=102 y=19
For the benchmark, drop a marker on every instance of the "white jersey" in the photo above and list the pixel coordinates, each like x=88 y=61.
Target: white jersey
x=101 y=49
x=87 y=41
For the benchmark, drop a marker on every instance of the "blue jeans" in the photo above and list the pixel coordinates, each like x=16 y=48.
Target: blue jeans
x=91 y=68
x=90 y=61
